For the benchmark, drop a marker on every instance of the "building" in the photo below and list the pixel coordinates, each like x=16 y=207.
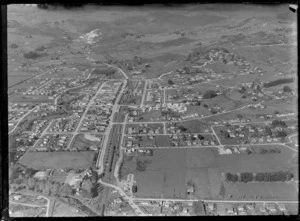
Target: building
x=134 y=188
x=41 y=174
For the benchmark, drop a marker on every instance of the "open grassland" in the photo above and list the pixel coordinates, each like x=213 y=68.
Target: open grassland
x=57 y=160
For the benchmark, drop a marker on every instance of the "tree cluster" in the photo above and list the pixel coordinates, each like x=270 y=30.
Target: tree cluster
x=32 y=55
x=269 y=150
x=278 y=123
x=260 y=177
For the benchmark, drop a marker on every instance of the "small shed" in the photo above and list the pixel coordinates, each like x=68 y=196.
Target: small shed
x=134 y=188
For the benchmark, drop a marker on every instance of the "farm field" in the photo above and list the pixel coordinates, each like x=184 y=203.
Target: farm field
x=13 y=79
x=57 y=160
x=30 y=99
x=167 y=171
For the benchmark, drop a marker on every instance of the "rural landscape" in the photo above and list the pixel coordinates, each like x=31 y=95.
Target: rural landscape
x=187 y=110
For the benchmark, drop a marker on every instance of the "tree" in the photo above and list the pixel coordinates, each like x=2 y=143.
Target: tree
x=170 y=82
x=67 y=190
x=209 y=94
x=31 y=183
x=268 y=131
x=228 y=176
x=287 y=89
x=222 y=190
x=235 y=178
x=263 y=151
x=246 y=177
x=281 y=134
x=259 y=177
x=200 y=137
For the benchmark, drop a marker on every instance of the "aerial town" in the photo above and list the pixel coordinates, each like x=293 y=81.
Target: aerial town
x=124 y=118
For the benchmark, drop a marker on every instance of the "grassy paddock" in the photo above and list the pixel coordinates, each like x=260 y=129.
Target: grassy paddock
x=57 y=160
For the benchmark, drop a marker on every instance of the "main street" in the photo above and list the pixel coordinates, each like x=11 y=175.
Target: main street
x=100 y=160
x=108 y=130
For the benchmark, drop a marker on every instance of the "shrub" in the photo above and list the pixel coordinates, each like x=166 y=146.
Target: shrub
x=32 y=55
x=13 y=45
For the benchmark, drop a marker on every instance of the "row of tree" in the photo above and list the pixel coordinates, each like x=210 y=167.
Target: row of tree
x=260 y=177
x=278 y=82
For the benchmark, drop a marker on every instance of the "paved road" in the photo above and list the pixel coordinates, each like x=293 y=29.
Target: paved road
x=216 y=201
x=251 y=201
x=48 y=204
x=259 y=45
x=32 y=205
x=144 y=93
x=164 y=74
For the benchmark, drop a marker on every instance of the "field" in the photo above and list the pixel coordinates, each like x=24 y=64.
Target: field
x=220 y=68
x=63 y=210
x=57 y=160
x=167 y=171
x=30 y=99
x=83 y=141
x=261 y=191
